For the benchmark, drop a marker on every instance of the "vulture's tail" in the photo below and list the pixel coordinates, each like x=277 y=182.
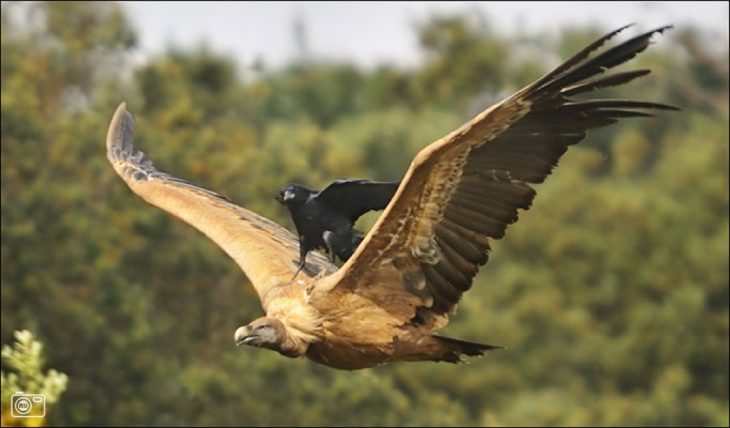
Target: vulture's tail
x=452 y=349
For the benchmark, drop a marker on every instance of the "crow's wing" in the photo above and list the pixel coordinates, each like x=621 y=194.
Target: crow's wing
x=265 y=251
x=353 y=198
x=464 y=189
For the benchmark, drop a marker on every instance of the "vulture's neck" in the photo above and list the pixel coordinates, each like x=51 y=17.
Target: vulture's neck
x=302 y=323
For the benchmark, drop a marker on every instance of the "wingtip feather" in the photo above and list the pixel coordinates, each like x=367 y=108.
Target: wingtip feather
x=120 y=133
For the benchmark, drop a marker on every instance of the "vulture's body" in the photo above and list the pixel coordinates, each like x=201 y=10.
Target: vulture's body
x=407 y=276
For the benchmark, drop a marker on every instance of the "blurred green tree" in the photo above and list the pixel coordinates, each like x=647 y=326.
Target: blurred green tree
x=25 y=358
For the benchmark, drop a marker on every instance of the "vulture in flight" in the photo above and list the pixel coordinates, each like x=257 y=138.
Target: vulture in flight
x=326 y=218
x=405 y=279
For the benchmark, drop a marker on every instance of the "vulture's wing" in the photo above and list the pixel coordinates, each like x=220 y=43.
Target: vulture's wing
x=464 y=189
x=353 y=198
x=265 y=251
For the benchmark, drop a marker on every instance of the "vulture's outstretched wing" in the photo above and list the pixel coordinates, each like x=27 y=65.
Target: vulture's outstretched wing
x=464 y=189
x=265 y=251
x=353 y=198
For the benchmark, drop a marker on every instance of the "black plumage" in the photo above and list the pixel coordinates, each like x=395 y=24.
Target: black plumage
x=326 y=218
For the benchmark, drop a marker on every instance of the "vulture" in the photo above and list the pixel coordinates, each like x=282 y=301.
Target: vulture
x=326 y=218
x=405 y=279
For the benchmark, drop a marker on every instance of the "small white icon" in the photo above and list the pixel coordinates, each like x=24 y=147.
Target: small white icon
x=27 y=405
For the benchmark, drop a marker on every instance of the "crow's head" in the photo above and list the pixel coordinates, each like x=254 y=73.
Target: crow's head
x=293 y=194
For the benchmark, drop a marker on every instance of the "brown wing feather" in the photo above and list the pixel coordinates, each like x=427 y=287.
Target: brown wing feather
x=465 y=189
x=265 y=251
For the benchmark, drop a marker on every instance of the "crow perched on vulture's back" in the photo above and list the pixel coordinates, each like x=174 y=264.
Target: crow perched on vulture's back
x=325 y=219
x=405 y=279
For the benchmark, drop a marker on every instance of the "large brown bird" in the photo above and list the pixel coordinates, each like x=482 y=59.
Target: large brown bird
x=386 y=301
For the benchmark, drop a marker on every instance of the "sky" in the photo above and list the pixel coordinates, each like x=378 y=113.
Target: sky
x=371 y=33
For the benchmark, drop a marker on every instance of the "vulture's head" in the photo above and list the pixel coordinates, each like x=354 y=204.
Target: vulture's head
x=293 y=194
x=264 y=332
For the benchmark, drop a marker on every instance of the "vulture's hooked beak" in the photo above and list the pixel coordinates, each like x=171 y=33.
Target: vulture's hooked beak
x=242 y=336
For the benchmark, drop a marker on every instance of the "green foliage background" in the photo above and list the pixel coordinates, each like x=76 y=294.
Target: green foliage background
x=610 y=294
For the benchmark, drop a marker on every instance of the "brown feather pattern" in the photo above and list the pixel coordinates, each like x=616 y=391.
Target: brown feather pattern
x=267 y=252
x=468 y=187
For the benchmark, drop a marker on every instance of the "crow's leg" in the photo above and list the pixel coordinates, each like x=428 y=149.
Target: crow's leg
x=349 y=244
x=302 y=258
x=329 y=241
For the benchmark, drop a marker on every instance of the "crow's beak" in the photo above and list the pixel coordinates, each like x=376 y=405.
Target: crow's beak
x=279 y=198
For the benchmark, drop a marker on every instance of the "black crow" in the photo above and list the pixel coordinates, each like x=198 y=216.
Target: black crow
x=325 y=219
